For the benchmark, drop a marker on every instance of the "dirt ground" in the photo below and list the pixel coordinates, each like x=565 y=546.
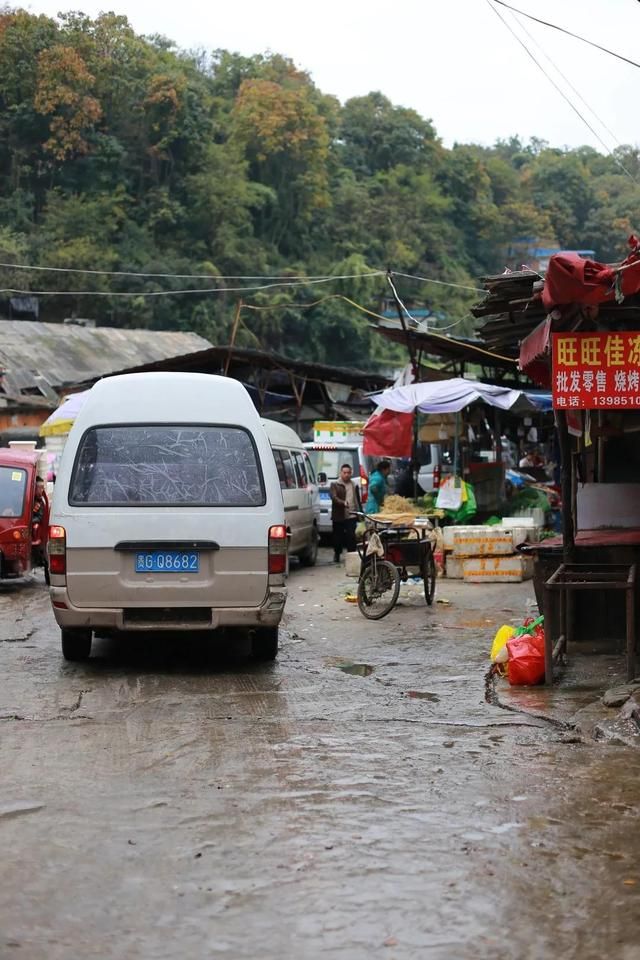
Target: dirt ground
x=357 y=799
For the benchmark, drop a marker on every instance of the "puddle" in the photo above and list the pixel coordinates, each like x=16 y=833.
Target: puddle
x=355 y=669
x=423 y=695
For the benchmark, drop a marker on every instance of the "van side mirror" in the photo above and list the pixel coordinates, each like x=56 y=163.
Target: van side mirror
x=322 y=478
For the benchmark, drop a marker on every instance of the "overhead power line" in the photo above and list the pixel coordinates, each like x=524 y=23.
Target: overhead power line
x=559 y=89
x=278 y=283
x=567 y=81
x=185 y=276
x=569 y=33
x=175 y=293
x=443 y=283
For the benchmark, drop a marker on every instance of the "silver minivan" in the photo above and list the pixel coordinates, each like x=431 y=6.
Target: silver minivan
x=167 y=514
x=299 y=491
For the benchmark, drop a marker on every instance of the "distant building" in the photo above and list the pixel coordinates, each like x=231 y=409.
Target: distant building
x=41 y=361
x=535 y=252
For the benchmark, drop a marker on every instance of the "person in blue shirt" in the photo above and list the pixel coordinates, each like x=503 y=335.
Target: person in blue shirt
x=378 y=487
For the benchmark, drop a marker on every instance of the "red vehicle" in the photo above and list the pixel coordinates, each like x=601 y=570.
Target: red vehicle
x=24 y=514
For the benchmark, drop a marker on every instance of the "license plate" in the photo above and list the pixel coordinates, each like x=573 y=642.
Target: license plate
x=167 y=561
x=325 y=495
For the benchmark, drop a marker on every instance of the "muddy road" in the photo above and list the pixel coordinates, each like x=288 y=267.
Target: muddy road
x=357 y=799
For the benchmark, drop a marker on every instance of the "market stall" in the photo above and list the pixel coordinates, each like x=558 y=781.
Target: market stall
x=578 y=331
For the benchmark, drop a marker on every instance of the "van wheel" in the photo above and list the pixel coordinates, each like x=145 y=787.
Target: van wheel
x=309 y=556
x=264 y=643
x=76 y=644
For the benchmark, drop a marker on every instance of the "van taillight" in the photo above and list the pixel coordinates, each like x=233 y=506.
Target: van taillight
x=436 y=478
x=57 y=549
x=364 y=485
x=278 y=545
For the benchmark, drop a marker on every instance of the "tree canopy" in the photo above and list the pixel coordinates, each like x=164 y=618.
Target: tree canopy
x=124 y=153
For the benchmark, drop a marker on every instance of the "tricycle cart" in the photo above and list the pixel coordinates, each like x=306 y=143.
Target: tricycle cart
x=388 y=555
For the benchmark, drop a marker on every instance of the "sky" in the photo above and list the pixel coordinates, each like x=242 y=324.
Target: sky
x=451 y=60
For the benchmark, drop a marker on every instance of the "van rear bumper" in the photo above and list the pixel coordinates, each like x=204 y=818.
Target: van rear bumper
x=150 y=619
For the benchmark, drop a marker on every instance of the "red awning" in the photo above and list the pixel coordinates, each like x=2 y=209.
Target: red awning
x=535 y=345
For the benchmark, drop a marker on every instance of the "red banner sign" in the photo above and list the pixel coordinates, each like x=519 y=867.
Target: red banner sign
x=595 y=370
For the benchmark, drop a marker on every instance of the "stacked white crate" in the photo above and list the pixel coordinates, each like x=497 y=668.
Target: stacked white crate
x=486 y=554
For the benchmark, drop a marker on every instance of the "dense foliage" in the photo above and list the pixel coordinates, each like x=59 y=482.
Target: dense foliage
x=123 y=153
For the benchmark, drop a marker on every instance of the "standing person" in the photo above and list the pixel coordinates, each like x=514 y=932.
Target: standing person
x=39 y=501
x=378 y=487
x=345 y=501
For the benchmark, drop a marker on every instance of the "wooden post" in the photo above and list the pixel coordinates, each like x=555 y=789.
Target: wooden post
x=234 y=334
x=566 y=483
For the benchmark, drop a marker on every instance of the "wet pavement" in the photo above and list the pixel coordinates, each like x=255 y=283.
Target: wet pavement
x=357 y=799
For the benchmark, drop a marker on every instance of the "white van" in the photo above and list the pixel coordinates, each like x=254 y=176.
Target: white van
x=299 y=491
x=167 y=514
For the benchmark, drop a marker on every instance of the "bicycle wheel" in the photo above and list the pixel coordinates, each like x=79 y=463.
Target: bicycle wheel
x=378 y=589
x=429 y=576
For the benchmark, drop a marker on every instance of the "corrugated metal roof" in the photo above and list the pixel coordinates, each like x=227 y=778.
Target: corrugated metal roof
x=38 y=359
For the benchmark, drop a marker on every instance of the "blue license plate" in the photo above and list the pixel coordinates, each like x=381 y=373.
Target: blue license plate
x=325 y=495
x=167 y=561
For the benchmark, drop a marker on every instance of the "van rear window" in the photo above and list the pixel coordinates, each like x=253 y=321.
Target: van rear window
x=167 y=465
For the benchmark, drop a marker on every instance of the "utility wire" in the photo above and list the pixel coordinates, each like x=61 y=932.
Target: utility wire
x=279 y=282
x=567 y=81
x=443 y=283
x=397 y=297
x=174 y=293
x=184 y=276
x=569 y=33
x=379 y=316
x=560 y=90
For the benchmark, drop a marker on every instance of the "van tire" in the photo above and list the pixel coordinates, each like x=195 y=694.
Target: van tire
x=76 y=644
x=309 y=556
x=264 y=643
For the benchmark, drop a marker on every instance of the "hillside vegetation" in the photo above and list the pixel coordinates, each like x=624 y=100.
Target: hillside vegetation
x=123 y=153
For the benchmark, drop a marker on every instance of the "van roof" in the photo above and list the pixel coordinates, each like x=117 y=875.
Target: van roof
x=281 y=433
x=167 y=398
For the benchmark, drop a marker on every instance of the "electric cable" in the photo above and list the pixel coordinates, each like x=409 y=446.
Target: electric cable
x=560 y=90
x=174 y=293
x=568 y=82
x=185 y=276
x=443 y=283
x=569 y=33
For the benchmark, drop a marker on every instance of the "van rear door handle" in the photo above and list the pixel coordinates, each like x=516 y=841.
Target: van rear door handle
x=167 y=545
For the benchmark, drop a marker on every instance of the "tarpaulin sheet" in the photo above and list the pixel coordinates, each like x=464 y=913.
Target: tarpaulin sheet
x=388 y=434
x=451 y=396
x=571 y=279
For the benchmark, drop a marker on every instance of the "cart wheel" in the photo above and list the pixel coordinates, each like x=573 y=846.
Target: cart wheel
x=429 y=574
x=378 y=589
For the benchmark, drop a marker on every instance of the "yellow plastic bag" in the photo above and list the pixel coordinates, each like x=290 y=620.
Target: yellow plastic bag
x=499 y=645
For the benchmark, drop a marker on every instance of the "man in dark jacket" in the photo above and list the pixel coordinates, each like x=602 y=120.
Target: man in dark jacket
x=345 y=501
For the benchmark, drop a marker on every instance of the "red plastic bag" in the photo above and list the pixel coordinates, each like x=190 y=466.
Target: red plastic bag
x=526 y=659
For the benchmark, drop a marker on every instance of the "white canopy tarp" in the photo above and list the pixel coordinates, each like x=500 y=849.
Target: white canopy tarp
x=450 y=396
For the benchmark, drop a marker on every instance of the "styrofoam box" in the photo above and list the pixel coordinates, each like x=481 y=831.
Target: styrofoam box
x=522 y=528
x=482 y=542
x=453 y=568
x=497 y=569
x=447 y=535
x=517 y=522
x=352 y=564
